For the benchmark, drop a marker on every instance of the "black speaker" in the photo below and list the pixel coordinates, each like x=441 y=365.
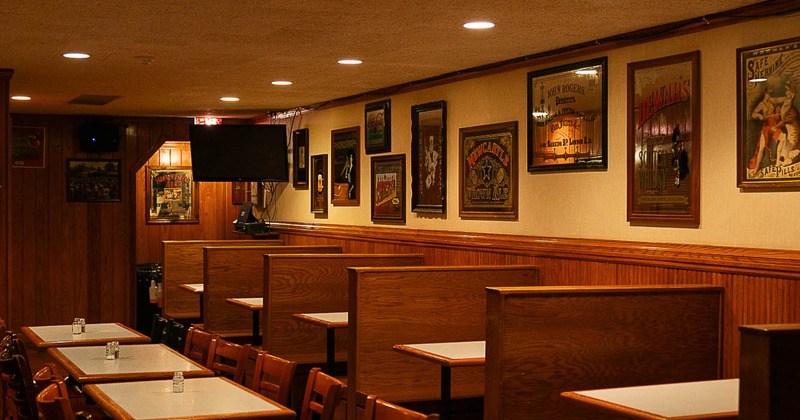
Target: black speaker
x=95 y=137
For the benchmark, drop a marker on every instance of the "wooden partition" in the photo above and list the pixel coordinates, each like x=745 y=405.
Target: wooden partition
x=183 y=263
x=542 y=341
x=309 y=284
x=238 y=271
x=406 y=305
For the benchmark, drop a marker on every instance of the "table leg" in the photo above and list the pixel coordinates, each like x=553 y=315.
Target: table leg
x=331 y=351
x=445 y=393
x=256 y=340
x=201 y=307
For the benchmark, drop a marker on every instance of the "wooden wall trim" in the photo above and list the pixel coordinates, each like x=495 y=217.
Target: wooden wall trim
x=747 y=261
x=5 y=176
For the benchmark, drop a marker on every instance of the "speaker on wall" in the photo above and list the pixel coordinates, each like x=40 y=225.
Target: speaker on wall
x=96 y=137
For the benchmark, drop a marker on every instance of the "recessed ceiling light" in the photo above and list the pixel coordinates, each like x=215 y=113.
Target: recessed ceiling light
x=281 y=82
x=479 y=25
x=586 y=71
x=76 y=55
x=349 y=61
x=20 y=98
x=229 y=99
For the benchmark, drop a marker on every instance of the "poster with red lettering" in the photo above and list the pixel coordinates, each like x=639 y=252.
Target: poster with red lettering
x=171 y=195
x=488 y=172
x=388 y=180
x=664 y=141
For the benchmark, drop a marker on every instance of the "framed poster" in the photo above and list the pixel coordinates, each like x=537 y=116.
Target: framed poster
x=300 y=158
x=171 y=195
x=388 y=185
x=378 y=127
x=429 y=157
x=28 y=146
x=240 y=192
x=345 y=165
x=768 y=124
x=664 y=141
x=93 y=180
x=319 y=191
x=487 y=172
x=567 y=123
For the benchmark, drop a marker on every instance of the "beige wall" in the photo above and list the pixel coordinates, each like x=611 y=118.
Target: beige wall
x=585 y=204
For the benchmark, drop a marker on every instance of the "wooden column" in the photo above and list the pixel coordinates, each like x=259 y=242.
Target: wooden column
x=5 y=175
x=769 y=372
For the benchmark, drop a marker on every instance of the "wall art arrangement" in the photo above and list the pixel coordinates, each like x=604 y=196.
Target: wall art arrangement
x=92 y=180
x=567 y=121
x=345 y=165
x=319 y=189
x=664 y=141
x=378 y=127
x=429 y=158
x=171 y=195
x=300 y=158
x=388 y=189
x=28 y=147
x=487 y=171
x=768 y=135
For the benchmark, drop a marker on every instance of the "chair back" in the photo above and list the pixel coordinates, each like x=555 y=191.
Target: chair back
x=175 y=336
x=53 y=402
x=158 y=328
x=272 y=377
x=378 y=409
x=44 y=377
x=20 y=381
x=198 y=345
x=227 y=359
x=323 y=393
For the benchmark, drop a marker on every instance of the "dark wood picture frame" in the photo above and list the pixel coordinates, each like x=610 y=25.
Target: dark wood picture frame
x=767 y=112
x=300 y=159
x=240 y=192
x=388 y=187
x=171 y=195
x=429 y=157
x=664 y=141
x=345 y=167
x=567 y=121
x=487 y=172
x=94 y=180
x=319 y=191
x=378 y=127
x=28 y=147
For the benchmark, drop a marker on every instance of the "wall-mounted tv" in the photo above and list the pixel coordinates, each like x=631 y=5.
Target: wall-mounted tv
x=256 y=152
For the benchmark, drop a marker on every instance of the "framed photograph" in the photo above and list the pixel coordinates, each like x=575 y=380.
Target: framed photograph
x=240 y=192
x=378 y=127
x=319 y=192
x=429 y=158
x=93 y=180
x=768 y=150
x=27 y=147
x=300 y=158
x=567 y=122
x=345 y=165
x=664 y=141
x=171 y=195
x=487 y=172
x=388 y=189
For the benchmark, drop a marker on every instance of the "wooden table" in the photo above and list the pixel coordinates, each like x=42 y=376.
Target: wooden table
x=61 y=335
x=254 y=305
x=331 y=321
x=139 y=362
x=203 y=398
x=196 y=288
x=688 y=400
x=448 y=355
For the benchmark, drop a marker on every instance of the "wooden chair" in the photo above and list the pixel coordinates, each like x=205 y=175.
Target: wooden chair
x=198 y=345
x=323 y=393
x=272 y=377
x=53 y=403
x=227 y=359
x=378 y=409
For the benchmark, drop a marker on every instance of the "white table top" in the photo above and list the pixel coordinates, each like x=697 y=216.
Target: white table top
x=668 y=401
x=329 y=317
x=453 y=350
x=252 y=303
x=52 y=335
x=193 y=287
x=214 y=397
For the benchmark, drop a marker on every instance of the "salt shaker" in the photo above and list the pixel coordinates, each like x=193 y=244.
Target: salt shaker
x=177 y=382
x=83 y=325
x=76 y=326
x=110 y=350
x=116 y=349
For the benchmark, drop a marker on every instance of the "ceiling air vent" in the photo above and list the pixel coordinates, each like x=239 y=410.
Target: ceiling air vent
x=98 y=100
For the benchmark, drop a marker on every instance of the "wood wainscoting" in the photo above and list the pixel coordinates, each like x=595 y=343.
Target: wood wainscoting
x=762 y=286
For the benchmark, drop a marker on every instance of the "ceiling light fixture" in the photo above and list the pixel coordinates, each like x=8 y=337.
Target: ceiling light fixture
x=229 y=99
x=349 y=61
x=281 y=82
x=76 y=55
x=20 y=98
x=479 y=25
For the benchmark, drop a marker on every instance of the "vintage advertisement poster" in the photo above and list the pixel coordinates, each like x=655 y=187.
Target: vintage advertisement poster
x=319 y=191
x=768 y=79
x=171 y=195
x=488 y=179
x=388 y=189
x=428 y=158
x=27 y=147
x=345 y=176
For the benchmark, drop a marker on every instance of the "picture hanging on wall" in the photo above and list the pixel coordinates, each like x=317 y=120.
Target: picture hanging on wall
x=388 y=189
x=171 y=195
x=240 y=192
x=664 y=141
x=345 y=165
x=319 y=188
x=300 y=158
x=27 y=147
x=429 y=158
x=378 y=127
x=93 y=180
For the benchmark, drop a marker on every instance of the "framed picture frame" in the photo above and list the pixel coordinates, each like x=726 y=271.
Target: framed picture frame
x=300 y=158
x=171 y=195
x=388 y=184
x=487 y=172
x=319 y=192
x=93 y=180
x=241 y=192
x=664 y=141
x=567 y=121
x=378 y=127
x=28 y=145
x=429 y=157
x=345 y=159
x=767 y=83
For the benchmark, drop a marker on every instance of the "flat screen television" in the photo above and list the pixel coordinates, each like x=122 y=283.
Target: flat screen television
x=254 y=152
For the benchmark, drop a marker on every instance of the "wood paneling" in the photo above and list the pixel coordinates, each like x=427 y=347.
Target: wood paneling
x=5 y=159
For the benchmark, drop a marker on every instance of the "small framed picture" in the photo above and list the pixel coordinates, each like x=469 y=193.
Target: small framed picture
x=429 y=158
x=346 y=190
x=240 y=192
x=93 y=180
x=28 y=147
x=171 y=195
x=487 y=158
x=319 y=189
x=388 y=189
x=300 y=158
x=378 y=127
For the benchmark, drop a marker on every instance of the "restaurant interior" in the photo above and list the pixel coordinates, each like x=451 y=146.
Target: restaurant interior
x=566 y=212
